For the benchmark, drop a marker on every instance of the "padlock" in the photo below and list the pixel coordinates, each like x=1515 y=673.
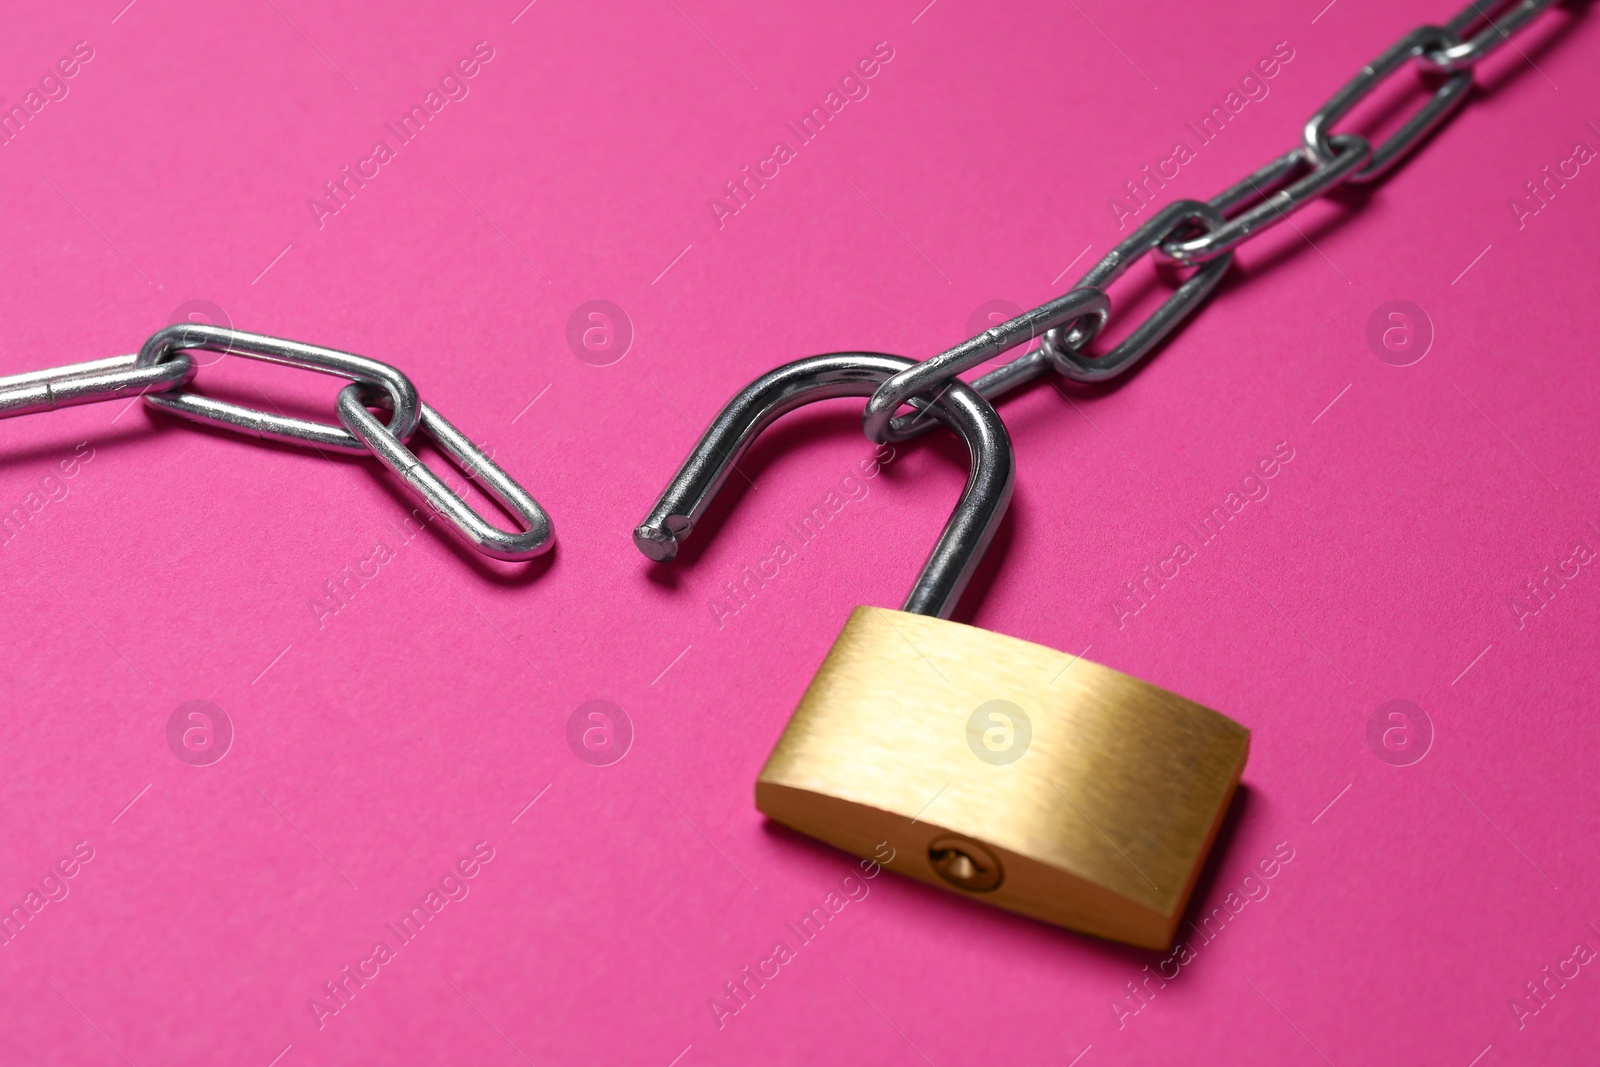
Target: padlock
x=1000 y=769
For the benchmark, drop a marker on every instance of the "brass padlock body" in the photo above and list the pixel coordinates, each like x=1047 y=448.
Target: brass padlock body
x=1102 y=824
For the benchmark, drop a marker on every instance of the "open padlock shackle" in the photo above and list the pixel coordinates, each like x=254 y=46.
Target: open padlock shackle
x=971 y=525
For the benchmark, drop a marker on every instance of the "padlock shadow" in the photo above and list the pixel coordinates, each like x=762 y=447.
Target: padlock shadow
x=948 y=907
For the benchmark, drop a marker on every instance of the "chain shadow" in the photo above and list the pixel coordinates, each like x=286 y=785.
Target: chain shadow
x=63 y=444
x=503 y=573
x=495 y=572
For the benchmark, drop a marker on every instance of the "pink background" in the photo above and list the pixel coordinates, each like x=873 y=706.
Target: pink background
x=373 y=750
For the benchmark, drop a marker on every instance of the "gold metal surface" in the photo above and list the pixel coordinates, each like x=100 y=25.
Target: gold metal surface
x=1101 y=824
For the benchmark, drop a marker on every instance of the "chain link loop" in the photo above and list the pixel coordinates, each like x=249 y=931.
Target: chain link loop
x=1065 y=348
x=996 y=383
x=1467 y=54
x=1449 y=96
x=1073 y=320
x=164 y=344
x=1279 y=197
x=428 y=487
x=1082 y=302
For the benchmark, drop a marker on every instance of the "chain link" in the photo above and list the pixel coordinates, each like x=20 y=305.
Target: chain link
x=1065 y=349
x=1449 y=96
x=1082 y=302
x=162 y=370
x=272 y=426
x=429 y=488
x=1470 y=53
x=1204 y=236
x=1279 y=197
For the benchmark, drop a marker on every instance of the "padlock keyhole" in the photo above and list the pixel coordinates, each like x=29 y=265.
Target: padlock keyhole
x=965 y=864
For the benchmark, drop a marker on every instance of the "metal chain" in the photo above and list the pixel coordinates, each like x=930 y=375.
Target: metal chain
x=162 y=370
x=1190 y=233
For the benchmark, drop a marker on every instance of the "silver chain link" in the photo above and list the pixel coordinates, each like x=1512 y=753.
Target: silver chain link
x=162 y=369
x=1464 y=55
x=1277 y=197
x=1449 y=96
x=1180 y=215
x=271 y=426
x=1204 y=235
x=429 y=488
